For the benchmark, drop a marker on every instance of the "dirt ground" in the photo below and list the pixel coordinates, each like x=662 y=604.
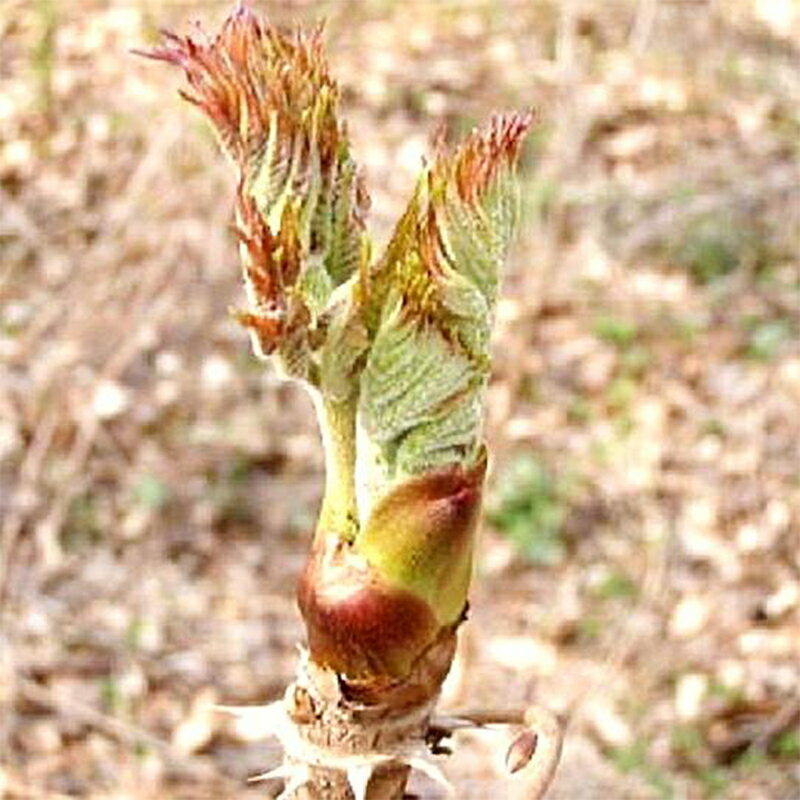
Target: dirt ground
x=640 y=563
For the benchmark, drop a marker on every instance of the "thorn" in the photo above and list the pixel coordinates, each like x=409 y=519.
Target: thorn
x=244 y=711
x=274 y=774
x=358 y=776
x=257 y=722
x=432 y=771
x=271 y=715
x=300 y=776
x=296 y=778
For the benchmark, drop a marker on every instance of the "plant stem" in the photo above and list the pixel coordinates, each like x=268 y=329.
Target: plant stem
x=339 y=513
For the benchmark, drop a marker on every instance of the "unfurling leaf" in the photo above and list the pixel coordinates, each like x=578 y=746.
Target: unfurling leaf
x=429 y=309
x=301 y=203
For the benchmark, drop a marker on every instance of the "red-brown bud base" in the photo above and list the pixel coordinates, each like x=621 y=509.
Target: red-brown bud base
x=373 y=635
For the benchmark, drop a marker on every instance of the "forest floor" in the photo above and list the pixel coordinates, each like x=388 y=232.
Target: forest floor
x=640 y=564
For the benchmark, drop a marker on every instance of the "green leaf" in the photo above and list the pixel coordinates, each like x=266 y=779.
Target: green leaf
x=428 y=306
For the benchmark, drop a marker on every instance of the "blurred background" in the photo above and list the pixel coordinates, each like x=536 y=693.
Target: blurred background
x=640 y=563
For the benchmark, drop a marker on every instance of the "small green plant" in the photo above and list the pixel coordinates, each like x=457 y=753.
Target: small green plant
x=635 y=759
x=787 y=745
x=711 y=248
x=682 y=328
x=395 y=354
x=589 y=628
x=624 y=335
x=715 y=781
x=766 y=337
x=151 y=492
x=687 y=743
x=752 y=760
x=614 y=330
x=112 y=696
x=83 y=525
x=631 y=758
x=620 y=394
x=528 y=508
x=635 y=360
x=579 y=411
x=43 y=56
x=713 y=427
x=716 y=245
x=616 y=586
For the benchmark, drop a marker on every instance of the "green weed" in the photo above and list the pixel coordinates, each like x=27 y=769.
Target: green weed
x=620 y=394
x=528 y=508
x=43 y=57
x=151 y=492
x=112 y=696
x=715 y=782
x=766 y=338
x=787 y=745
x=717 y=245
x=579 y=411
x=709 y=252
x=687 y=742
x=635 y=759
x=713 y=427
x=82 y=526
x=616 y=586
x=615 y=330
x=589 y=628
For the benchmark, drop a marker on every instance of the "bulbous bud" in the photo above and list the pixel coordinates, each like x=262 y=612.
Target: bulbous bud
x=358 y=625
x=374 y=607
x=420 y=536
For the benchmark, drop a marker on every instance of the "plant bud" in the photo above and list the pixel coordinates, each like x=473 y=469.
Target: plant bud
x=301 y=204
x=358 y=625
x=420 y=536
x=396 y=353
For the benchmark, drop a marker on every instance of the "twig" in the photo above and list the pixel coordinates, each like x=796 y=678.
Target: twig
x=124 y=732
x=29 y=473
x=642 y=28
